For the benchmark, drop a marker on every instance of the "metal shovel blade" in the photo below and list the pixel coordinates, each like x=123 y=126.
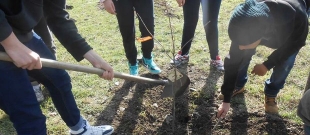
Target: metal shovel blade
x=176 y=88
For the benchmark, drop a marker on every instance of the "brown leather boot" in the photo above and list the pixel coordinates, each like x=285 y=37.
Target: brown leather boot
x=221 y=96
x=271 y=105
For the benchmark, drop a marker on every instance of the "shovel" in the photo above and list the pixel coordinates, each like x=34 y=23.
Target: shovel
x=171 y=89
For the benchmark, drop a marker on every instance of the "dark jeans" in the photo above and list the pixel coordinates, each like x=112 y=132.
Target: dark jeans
x=18 y=100
x=210 y=10
x=277 y=79
x=125 y=16
x=306 y=129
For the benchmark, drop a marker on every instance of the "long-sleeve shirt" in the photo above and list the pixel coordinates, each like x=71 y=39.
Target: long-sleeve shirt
x=20 y=17
x=287 y=34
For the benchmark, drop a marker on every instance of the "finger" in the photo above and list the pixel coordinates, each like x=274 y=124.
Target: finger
x=113 y=8
x=31 y=66
x=106 y=75
x=219 y=113
x=223 y=114
x=24 y=67
x=103 y=75
x=38 y=65
x=112 y=75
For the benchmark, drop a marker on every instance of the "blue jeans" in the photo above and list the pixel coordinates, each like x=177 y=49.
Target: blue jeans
x=210 y=10
x=306 y=129
x=18 y=100
x=276 y=81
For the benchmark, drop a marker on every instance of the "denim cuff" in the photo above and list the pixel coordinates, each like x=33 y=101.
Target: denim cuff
x=79 y=125
x=268 y=95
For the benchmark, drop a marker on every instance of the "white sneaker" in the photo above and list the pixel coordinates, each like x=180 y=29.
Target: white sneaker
x=180 y=59
x=218 y=63
x=93 y=130
x=38 y=92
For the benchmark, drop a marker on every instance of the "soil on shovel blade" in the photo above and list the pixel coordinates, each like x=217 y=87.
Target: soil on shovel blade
x=137 y=108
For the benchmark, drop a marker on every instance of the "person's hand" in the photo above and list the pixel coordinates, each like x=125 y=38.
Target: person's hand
x=259 y=69
x=25 y=59
x=222 y=110
x=109 y=6
x=181 y=2
x=21 y=55
x=98 y=62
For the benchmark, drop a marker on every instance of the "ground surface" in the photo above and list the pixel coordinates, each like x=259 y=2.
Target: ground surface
x=138 y=108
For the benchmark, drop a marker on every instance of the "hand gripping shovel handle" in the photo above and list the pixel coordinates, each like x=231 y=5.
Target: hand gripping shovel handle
x=74 y=67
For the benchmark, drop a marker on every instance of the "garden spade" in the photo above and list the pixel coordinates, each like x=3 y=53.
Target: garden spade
x=172 y=88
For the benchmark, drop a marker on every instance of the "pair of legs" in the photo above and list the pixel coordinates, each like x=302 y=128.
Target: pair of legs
x=276 y=81
x=144 y=9
x=18 y=100
x=210 y=10
x=125 y=17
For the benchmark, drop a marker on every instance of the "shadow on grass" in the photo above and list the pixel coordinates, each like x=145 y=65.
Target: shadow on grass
x=199 y=122
x=204 y=114
x=108 y=114
x=125 y=121
x=275 y=125
x=240 y=115
x=176 y=122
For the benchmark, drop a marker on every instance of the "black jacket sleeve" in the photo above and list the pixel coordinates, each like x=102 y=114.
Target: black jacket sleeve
x=5 y=27
x=232 y=64
x=64 y=29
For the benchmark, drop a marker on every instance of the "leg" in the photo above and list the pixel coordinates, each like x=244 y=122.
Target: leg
x=242 y=75
x=210 y=10
x=191 y=15
x=278 y=77
x=17 y=99
x=57 y=82
x=59 y=85
x=306 y=129
x=125 y=18
x=276 y=82
x=145 y=9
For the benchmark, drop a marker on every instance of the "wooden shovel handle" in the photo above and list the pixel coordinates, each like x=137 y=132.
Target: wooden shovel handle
x=79 y=68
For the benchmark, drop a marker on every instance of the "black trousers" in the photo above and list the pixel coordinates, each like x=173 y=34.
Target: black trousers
x=126 y=16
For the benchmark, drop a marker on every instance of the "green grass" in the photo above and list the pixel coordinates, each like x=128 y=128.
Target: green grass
x=101 y=31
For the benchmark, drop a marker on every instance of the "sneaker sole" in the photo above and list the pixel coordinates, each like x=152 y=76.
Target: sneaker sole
x=144 y=65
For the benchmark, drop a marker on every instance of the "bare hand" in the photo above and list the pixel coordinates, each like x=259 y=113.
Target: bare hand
x=108 y=74
x=222 y=110
x=109 y=6
x=25 y=60
x=181 y=2
x=259 y=69
x=21 y=55
x=98 y=62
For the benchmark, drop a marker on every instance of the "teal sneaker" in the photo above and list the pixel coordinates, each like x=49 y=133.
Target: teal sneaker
x=150 y=65
x=134 y=69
